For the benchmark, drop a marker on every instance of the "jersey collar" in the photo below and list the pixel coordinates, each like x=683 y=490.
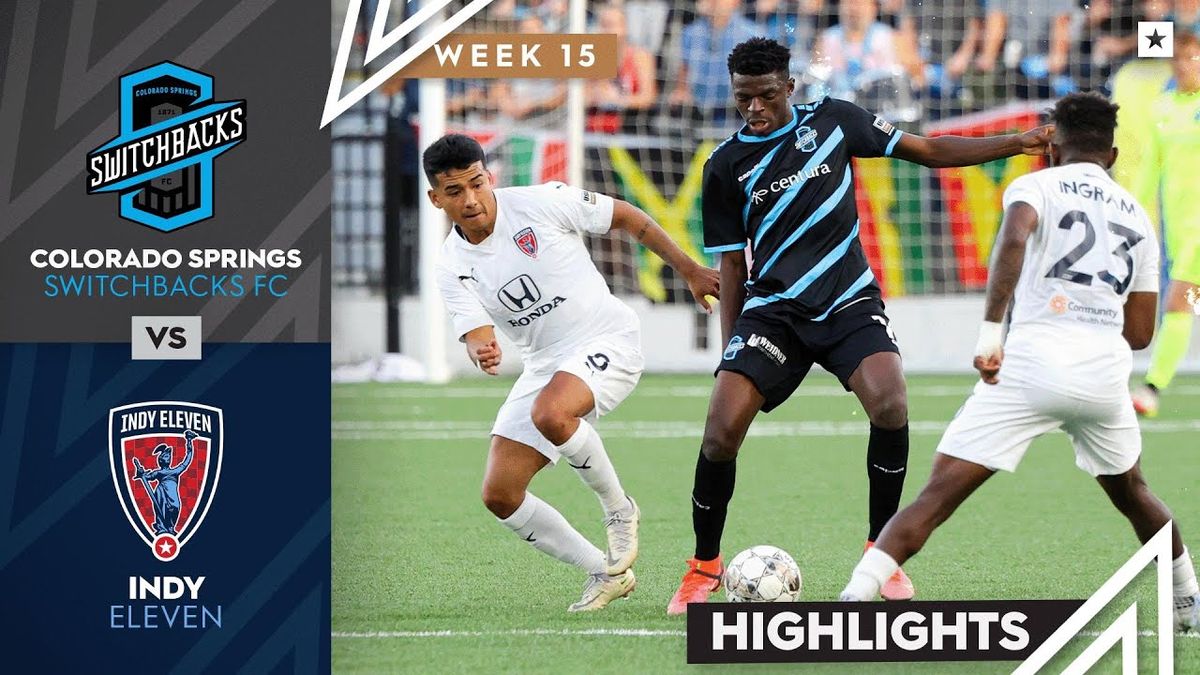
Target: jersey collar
x=747 y=138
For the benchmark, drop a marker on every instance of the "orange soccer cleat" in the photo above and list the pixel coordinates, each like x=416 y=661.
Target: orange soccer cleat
x=702 y=578
x=898 y=586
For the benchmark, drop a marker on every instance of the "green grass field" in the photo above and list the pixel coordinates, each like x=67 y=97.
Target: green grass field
x=425 y=580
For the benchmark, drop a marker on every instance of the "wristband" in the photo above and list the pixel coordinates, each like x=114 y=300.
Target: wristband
x=991 y=336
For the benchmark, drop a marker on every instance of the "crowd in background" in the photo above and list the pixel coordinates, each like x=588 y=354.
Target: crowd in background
x=910 y=60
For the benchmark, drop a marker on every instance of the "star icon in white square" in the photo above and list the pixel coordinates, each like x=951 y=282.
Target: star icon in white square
x=1156 y=39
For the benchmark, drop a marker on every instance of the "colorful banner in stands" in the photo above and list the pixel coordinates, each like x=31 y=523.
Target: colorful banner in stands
x=924 y=231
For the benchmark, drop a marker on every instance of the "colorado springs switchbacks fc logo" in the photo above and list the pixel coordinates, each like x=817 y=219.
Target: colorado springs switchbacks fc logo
x=165 y=458
x=161 y=164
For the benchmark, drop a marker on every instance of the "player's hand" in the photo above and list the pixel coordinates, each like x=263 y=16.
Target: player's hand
x=989 y=351
x=703 y=281
x=989 y=367
x=1036 y=141
x=487 y=356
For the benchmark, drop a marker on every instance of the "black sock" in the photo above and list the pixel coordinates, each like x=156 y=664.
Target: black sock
x=710 y=501
x=887 y=464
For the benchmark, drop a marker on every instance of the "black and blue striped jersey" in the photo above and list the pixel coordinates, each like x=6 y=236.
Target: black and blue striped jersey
x=790 y=195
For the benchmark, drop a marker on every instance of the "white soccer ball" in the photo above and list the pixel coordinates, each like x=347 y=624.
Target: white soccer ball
x=762 y=574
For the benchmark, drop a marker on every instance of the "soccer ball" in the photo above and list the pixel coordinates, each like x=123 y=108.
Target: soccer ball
x=762 y=574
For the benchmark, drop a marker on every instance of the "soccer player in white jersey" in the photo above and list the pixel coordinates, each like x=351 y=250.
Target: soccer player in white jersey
x=1077 y=258
x=515 y=260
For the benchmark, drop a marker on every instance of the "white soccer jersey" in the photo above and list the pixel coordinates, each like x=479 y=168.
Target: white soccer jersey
x=533 y=278
x=1093 y=245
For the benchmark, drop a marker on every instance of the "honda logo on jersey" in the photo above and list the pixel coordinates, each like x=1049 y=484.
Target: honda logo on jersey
x=520 y=293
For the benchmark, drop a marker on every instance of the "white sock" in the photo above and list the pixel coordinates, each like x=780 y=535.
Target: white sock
x=875 y=568
x=1184 y=576
x=544 y=527
x=584 y=451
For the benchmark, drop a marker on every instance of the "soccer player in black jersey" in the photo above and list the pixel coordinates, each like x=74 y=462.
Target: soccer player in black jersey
x=783 y=186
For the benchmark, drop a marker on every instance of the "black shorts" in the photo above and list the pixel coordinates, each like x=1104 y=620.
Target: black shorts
x=776 y=350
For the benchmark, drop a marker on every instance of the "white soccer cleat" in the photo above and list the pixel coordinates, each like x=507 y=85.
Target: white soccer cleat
x=1145 y=401
x=601 y=589
x=622 y=531
x=1187 y=613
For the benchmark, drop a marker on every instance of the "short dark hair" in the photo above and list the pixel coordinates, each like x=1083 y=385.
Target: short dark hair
x=452 y=151
x=759 y=56
x=1085 y=121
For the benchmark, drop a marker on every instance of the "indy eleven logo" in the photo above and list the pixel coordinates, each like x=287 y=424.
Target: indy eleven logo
x=165 y=458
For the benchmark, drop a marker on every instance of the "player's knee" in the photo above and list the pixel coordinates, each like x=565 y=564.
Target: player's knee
x=501 y=501
x=719 y=446
x=552 y=422
x=890 y=411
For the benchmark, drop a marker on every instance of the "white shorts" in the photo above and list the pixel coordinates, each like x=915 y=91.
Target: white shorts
x=610 y=365
x=998 y=422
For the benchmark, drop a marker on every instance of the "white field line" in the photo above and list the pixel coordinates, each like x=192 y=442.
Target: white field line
x=568 y=632
x=651 y=391
x=447 y=430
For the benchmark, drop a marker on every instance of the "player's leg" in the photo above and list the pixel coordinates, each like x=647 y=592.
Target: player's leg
x=951 y=482
x=735 y=402
x=863 y=353
x=761 y=366
x=589 y=384
x=558 y=413
x=1171 y=344
x=1108 y=445
x=1148 y=514
x=991 y=432
x=511 y=466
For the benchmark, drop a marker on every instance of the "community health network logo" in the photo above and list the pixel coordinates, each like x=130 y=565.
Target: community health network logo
x=165 y=458
x=161 y=164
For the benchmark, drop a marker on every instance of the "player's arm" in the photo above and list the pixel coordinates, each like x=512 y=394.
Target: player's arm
x=482 y=349
x=1008 y=257
x=1141 y=315
x=734 y=273
x=701 y=281
x=721 y=204
x=946 y=151
x=470 y=320
x=1141 y=305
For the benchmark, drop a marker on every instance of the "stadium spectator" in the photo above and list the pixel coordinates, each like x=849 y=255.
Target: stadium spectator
x=553 y=14
x=1028 y=43
x=1107 y=38
x=776 y=19
x=703 y=79
x=614 y=104
x=647 y=22
x=468 y=99
x=529 y=101
x=859 y=49
x=945 y=35
x=1187 y=13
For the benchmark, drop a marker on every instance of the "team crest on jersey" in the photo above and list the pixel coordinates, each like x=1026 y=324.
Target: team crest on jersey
x=806 y=139
x=527 y=242
x=165 y=458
